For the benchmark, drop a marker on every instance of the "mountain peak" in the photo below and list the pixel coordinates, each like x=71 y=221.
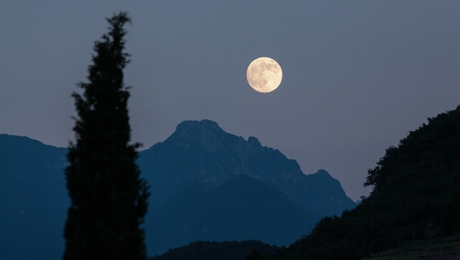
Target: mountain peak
x=254 y=141
x=205 y=131
x=194 y=124
x=322 y=173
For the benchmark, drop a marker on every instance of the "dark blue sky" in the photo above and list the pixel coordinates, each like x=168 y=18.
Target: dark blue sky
x=357 y=75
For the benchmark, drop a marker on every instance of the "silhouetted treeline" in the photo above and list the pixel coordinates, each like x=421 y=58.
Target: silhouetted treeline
x=203 y=250
x=416 y=195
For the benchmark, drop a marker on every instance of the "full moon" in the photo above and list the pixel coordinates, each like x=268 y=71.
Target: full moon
x=264 y=74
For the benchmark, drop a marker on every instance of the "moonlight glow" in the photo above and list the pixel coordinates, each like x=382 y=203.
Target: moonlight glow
x=264 y=75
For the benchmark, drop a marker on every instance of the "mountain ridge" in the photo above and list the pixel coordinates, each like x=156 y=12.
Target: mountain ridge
x=201 y=150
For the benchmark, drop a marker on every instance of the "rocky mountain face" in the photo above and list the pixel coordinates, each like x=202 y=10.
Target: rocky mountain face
x=202 y=151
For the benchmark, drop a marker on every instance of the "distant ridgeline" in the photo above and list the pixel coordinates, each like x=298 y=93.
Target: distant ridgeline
x=206 y=184
x=416 y=196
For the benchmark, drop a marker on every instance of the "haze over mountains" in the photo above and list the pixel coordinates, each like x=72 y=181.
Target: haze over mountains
x=206 y=184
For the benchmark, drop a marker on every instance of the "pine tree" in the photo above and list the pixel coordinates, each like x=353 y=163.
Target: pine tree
x=108 y=197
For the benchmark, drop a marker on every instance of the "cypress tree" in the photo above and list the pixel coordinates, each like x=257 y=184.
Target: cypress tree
x=108 y=197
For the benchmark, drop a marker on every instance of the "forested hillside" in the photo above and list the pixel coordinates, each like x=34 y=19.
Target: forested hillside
x=229 y=250
x=416 y=195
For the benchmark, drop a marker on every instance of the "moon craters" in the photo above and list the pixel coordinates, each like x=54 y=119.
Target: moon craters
x=264 y=75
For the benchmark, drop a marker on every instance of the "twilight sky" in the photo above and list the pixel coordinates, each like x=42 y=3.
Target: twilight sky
x=357 y=75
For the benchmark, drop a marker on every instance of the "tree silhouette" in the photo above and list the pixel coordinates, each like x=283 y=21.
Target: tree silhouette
x=254 y=255
x=108 y=197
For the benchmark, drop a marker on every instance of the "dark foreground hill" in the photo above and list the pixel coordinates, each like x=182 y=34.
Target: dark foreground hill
x=240 y=209
x=233 y=250
x=416 y=196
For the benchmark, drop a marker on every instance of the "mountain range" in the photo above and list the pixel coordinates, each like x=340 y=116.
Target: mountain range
x=206 y=184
